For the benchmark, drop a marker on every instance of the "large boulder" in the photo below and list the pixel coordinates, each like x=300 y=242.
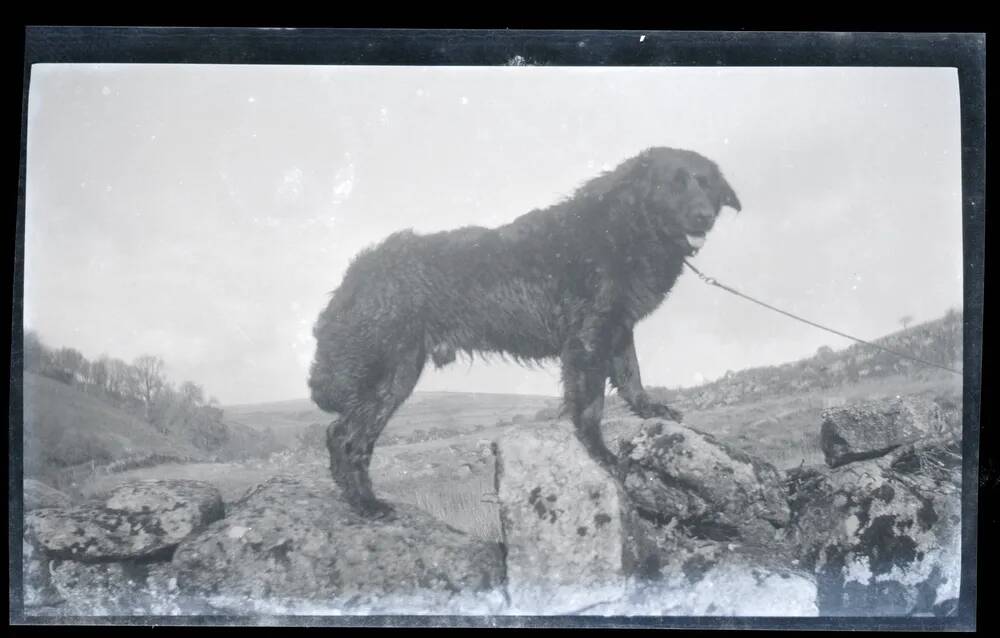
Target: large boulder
x=139 y=520
x=713 y=490
x=883 y=536
x=870 y=429
x=38 y=495
x=295 y=546
x=575 y=544
x=567 y=525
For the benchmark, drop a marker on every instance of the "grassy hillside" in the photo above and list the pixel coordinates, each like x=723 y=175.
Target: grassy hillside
x=65 y=428
x=449 y=413
x=938 y=341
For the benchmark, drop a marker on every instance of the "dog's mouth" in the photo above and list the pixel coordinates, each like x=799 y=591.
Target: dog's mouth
x=695 y=240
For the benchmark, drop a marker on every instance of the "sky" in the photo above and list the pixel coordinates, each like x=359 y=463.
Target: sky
x=204 y=213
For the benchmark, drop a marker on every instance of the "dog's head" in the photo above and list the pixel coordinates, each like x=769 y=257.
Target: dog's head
x=681 y=193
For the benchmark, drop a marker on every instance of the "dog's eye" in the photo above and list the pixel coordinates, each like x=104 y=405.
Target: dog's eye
x=702 y=181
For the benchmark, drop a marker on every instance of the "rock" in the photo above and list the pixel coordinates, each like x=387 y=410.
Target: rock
x=144 y=519
x=575 y=545
x=295 y=546
x=37 y=582
x=38 y=495
x=713 y=490
x=871 y=429
x=883 y=536
x=566 y=523
x=129 y=588
x=706 y=578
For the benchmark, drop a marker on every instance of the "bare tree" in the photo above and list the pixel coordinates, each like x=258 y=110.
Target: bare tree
x=149 y=375
x=70 y=362
x=99 y=373
x=192 y=393
x=906 y=320
x=119 y=375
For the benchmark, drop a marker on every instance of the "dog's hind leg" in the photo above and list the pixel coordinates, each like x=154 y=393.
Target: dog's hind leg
x=625 y=377
x=351 y=438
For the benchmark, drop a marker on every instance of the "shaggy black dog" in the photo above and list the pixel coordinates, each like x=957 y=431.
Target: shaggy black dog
x=569 y=281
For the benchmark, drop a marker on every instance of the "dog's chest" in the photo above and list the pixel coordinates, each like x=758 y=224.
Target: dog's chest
x=645 y=288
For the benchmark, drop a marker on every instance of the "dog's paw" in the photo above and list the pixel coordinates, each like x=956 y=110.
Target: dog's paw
x=377 y=510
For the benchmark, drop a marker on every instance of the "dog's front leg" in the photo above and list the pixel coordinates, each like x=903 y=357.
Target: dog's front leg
x=585 y=372
x=625 y=377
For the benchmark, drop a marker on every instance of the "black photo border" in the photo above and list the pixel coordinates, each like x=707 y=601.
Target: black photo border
x=498 y=47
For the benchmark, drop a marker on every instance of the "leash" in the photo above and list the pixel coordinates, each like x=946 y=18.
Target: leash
x=714 y=282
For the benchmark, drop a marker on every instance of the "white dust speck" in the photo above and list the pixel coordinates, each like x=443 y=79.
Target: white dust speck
x=517 y=60
x=725 y=140
x=343 y=184
x=237 y=531
x=107 y=188
x=464 y=100
x=420 y=92
x=290 y=188
x=251 y=99
x=699 y=377
x=152 y=138
x=642 y=38
x=106 y=90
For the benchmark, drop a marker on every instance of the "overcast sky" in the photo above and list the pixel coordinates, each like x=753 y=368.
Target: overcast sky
x=203 y=213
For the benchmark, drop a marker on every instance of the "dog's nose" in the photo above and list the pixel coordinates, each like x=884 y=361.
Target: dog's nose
x=704 y=214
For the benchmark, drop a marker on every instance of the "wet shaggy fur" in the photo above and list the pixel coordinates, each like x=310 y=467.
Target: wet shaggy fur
x=568 y=282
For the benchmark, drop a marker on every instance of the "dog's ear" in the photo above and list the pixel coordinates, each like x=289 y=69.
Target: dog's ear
x=729 y=197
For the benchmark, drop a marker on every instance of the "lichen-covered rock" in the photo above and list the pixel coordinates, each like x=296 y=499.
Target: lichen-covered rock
x=295 y=546
x=128 y=588
x=714 y=491
x=870 y=429
x=575 y=545
x=38 y=495
x=567 y=525
x=883 y=536
x=706 y=578
x=36 y=579
x=140 y=520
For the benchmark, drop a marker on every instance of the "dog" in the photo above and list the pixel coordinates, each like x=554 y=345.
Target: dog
x=569 y=281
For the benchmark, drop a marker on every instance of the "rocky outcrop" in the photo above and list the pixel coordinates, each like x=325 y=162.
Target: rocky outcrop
x=713 y=490
x=688 y=526
x=38 y=495
x=111 y=556
x=883 y=536
x=295 y=546
x=137 y=521
x=870 y=429
x=576 y=544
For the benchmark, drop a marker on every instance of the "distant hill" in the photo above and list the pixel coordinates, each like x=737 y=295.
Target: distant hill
x=938 y=341
x=64 y=427
x=68 y=431
x=424 y=411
